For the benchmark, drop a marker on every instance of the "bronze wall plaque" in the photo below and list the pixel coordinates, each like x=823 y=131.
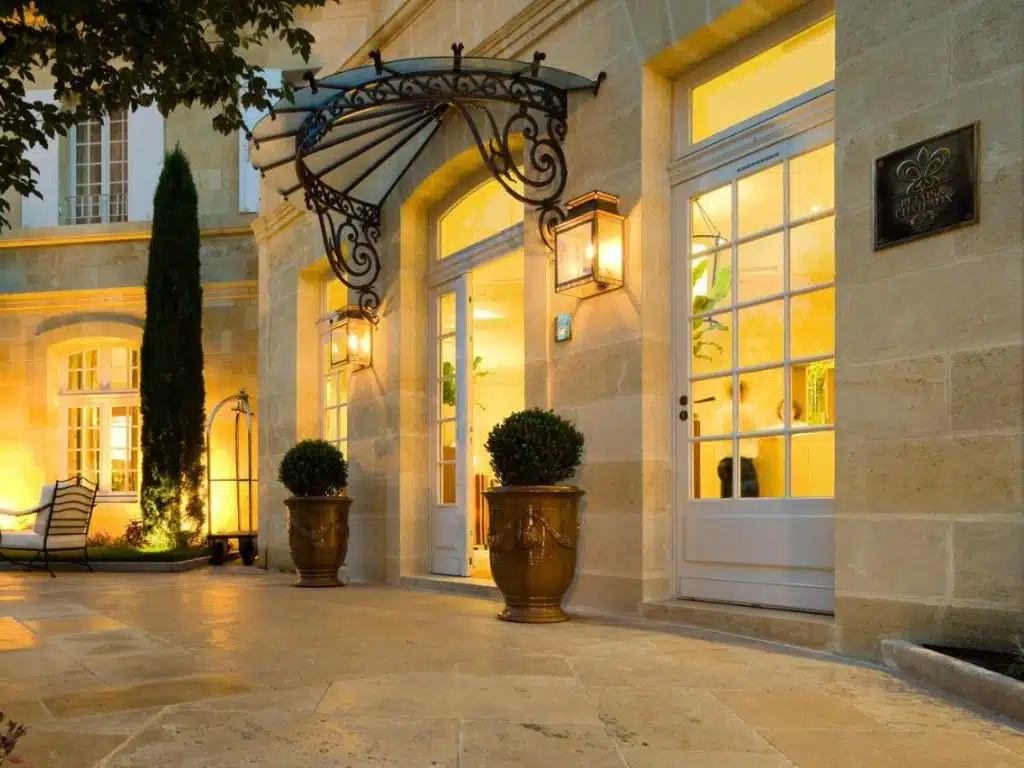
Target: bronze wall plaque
x=927 y=188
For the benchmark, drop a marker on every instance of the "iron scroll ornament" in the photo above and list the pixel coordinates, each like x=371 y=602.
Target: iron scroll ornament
x=403 y=106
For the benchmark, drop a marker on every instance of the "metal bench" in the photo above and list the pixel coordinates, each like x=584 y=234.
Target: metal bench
x=62 y=524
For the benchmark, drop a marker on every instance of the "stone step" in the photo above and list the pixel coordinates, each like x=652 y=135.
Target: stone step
x=806 y=630
x=453 y=585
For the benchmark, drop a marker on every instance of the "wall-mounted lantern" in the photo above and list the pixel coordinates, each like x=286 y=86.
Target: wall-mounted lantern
x=589 y=245
x=350 y=338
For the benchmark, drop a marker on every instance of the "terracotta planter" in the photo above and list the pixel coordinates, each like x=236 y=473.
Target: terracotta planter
x=318 y=538
x=532 y=539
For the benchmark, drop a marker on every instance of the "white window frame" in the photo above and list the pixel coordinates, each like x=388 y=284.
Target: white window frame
x=75 y=214
x=327 y=371
x=759 y=42
x=105 y=399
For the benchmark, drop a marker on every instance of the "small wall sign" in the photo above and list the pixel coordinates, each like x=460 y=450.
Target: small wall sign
x=927 y=188
x=563 y=327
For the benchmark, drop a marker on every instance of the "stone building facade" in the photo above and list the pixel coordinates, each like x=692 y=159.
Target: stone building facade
x=871 y=400
x=896 y=508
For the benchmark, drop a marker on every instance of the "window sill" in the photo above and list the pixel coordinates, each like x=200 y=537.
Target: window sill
x=110 y=497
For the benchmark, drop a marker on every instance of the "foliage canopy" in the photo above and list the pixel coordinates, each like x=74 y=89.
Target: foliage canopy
x=105 y=55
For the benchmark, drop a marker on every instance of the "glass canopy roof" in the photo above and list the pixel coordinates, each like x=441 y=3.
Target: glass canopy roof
x=357 y=131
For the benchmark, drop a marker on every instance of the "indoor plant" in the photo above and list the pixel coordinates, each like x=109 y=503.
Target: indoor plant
x=315 y=473
x=534 y=519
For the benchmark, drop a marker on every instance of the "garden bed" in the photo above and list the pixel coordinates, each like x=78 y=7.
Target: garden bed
x=113 y=554
x=1000 y=663
x=958 y=671
x=118 y=559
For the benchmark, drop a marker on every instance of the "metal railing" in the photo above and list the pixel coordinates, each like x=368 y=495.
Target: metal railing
x=94 y=209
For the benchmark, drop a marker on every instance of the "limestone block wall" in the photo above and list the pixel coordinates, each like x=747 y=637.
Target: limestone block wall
x=930 y=404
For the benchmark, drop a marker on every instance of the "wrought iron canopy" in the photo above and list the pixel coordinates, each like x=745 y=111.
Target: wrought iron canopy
x=347 y=139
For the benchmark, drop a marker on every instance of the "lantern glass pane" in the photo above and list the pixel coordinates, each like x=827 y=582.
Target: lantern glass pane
x=609 y=248
x=575 y=253
x=339 y=344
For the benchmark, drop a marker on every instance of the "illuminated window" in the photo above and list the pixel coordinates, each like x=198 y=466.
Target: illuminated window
x=100 y=402
x=800 y=64
x=99 y=170
x=333 y=378
x=762 y=319
x=484 y=212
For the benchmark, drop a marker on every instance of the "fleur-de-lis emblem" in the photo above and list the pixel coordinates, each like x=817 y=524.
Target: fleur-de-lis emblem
x=921 y=172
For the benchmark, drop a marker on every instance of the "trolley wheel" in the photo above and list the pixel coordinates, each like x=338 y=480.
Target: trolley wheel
x=218 y=551
x=247 y=549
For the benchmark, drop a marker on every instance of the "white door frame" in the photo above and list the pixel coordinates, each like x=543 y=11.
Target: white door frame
x=805 y=125
x=449 y=551
x=447 y=275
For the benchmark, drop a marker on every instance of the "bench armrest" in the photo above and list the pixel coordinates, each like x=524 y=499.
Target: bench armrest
x=23 y=512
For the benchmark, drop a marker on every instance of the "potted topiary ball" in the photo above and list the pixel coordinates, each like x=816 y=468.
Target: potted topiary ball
x=315 y=473
x=534 y=518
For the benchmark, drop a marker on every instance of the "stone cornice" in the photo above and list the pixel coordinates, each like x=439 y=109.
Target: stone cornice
x=97 y=298
x=397 y=23
x=519 y=33
x=103 y=238
x=282 y=217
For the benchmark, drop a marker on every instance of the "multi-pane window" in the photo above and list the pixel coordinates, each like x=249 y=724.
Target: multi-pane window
x=333 y=377
x=99 y=171
x=101 y=401
x=447 y=413
x=762 y=317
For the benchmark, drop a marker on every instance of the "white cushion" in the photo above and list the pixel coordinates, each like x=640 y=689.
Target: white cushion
x=43 y=516
x=46 y=495
x=21 y=540
x=32 y=540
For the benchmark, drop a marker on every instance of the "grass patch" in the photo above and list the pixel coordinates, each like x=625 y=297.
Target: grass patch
x=115 y=555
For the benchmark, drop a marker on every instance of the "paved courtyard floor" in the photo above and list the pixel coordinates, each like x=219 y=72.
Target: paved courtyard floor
x=237 y=668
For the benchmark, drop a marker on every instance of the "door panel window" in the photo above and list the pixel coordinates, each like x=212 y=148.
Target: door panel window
x=447 y=394
x=769 y=327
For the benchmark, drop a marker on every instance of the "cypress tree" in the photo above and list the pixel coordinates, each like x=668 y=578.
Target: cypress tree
x=171 y=380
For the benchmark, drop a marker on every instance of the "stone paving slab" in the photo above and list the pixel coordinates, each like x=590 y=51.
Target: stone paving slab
x=237 y=668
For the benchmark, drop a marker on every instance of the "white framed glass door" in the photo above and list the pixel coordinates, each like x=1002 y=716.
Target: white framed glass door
x=755 y=377
x=451 y=393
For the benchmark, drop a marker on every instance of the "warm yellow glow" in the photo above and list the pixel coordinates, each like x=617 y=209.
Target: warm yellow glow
x=228 y=508
x=20 y=478
x=353 y=342
x=485 y=211
x=773 y=77
x=589 y=246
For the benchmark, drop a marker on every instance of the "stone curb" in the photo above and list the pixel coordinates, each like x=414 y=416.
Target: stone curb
x=126 y=566
x=988 y=689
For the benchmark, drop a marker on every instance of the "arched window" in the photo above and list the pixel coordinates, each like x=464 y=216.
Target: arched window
x=486 y=211
x=99 y=399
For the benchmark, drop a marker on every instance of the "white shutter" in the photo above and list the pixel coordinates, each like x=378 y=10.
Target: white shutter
x=249 y=177
x=36 y=212
x=145 y=160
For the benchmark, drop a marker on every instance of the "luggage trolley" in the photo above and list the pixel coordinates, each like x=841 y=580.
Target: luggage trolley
x=247 y=546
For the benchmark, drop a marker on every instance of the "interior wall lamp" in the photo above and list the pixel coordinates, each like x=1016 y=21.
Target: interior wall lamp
x=351 y=342
x=589 y=246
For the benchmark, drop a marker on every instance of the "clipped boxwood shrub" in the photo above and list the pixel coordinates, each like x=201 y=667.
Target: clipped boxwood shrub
x=535 y=447
x=313 y=468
